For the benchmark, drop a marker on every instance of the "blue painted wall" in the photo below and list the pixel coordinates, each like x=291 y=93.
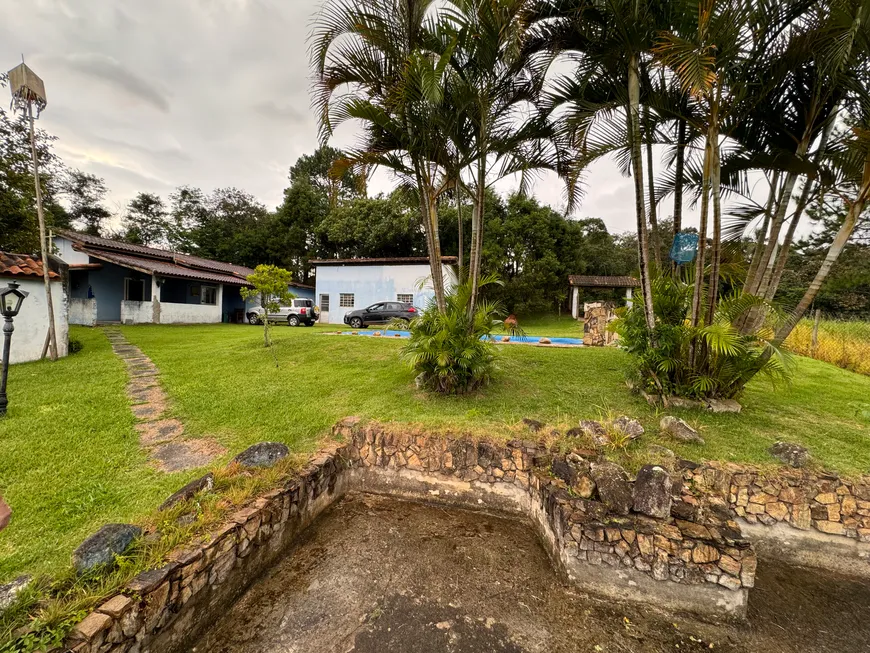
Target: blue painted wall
x=107 y=286
x=302 y=293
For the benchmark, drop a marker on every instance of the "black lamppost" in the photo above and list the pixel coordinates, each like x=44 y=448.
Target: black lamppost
x=10 y=303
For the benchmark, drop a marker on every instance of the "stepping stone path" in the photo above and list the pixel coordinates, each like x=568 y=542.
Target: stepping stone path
x=163 y=438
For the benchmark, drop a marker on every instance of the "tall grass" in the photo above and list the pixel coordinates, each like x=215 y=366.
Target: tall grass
x=844 y=343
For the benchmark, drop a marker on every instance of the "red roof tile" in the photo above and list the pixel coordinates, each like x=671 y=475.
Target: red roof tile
x=23 y=265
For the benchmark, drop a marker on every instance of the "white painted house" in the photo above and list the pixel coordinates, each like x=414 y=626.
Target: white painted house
x=345 y=285
x=31 y=324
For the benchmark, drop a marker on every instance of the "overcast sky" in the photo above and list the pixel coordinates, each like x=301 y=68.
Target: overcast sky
x=153 y=94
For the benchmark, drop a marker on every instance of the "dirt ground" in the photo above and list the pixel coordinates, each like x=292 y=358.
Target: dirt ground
x=377 y=575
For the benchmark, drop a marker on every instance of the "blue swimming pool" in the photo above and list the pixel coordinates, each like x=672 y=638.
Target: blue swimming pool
x=523 y=340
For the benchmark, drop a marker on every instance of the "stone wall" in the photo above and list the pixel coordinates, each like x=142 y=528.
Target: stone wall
x=596 y=317
x=632 y=540
x=820 y=519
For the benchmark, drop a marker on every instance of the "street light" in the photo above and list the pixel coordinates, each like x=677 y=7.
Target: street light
x=10 y=303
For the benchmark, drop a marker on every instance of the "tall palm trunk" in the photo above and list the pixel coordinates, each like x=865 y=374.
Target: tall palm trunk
x=842 y=237
x=782 y=259
x=477 y=233
x=653 y=217
x=679 y=182
x=429 y=217
x=459 y=227
x=763 y=270
x=637 y=173
x=761 y=239
x=701 y=257
x=715 y=175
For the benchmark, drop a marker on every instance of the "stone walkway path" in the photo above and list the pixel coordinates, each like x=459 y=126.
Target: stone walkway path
x=163 y=438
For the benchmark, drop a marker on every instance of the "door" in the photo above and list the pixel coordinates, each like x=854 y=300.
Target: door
x=280 y=314
x=375 y=313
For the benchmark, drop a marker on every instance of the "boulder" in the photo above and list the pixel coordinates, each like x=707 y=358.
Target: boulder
x=660 y=451
x=10 y=591
x=652 y=492
x=562 y=469
x=790 y=453
x=614 y=488
x=262 y=454
x=545 y=341
x=532 y=424
x=197 y=485
x=101 y=548
x=421 y=380
x=679 y=430
x=596 y=431
x=723 y=406
x=630 y=427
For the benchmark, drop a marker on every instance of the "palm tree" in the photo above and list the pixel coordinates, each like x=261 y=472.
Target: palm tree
x=381 y=62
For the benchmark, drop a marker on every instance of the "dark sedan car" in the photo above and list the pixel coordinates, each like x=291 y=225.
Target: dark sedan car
x=380 y=313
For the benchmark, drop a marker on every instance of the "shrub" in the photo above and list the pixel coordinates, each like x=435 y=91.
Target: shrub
x=452 y=352
x=75 y=346
x=704 y=362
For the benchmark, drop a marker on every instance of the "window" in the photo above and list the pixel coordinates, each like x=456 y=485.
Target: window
x=300 y=303
x=134 y=289
x=209 y=295
x=405 y=299
x=345 y=300
x=324 y=303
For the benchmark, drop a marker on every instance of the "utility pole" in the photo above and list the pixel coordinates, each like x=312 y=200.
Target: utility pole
x=28 y=89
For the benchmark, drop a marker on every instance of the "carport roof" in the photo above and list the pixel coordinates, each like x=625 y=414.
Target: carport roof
x=602 y=282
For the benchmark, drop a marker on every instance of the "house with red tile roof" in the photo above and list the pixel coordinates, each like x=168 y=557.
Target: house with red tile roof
x=31 y=323
x=113 y=281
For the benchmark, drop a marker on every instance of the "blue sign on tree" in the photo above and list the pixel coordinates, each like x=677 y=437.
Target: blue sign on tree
x=684 y=248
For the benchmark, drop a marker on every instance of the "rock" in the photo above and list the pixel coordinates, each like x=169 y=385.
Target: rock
x=561 y=469
x=377 y=334
x=505 y=338
x=204 y=483
x=9 y=592
x=660 y=451
x=790 y=453
x=584 y=487
x=652 y=492
x=420 y=380
x=630 y=427
x=533 y=425
x=262 y=454
x=679 y=430
x=723 y=406
x=101 y=548
x=682 y=402
x=704 y=553
x=596 y=431
x=545 y=341
x=575 y=432
x=614 y=488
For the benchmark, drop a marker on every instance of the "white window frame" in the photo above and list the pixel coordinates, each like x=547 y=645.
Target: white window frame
x=324 y=305
x=343 y=300
x=409 y=296
x=204 y=293
x=127 y=283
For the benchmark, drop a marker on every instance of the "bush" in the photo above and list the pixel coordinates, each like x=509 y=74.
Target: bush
x=704 y=362
x=75 y=346
x=451 y=352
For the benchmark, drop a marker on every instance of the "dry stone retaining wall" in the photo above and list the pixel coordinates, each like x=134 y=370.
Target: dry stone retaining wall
x=697 y=561
x=819 y=519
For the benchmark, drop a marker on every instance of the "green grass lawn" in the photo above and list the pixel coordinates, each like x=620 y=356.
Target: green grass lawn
x=554 y=326
x=69 y=457
x=70 y=461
